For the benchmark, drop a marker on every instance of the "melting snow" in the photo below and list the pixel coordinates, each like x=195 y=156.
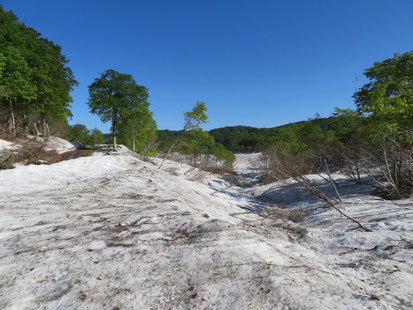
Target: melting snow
x=8 y=146
x=58 y=145
x=113 y=231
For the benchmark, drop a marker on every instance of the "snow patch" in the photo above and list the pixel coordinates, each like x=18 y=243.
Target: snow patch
x=8 y=146
x=58 y=145
x=245 y=163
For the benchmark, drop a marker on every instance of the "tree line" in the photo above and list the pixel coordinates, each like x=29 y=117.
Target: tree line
x=372 y=144
x=35 y=86
x=35 y=81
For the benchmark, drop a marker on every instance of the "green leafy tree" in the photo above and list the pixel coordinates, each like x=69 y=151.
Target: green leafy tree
x=196 y=143
x=222 y=154
x=348 y=127
x=388 y=96
x=112 y=95
x=35 y=82
x=18 y=90
x=194 y=118
x=387 y=101
x=79 y=133
x=138 y=129
x=96 y=136
x=192 y=121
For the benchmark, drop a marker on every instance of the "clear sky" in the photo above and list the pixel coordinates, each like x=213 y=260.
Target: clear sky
x=256 y=63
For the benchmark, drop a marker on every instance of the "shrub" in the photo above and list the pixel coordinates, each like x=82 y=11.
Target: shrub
x=6 y=164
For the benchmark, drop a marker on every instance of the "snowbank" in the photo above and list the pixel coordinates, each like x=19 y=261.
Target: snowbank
x=58 y=145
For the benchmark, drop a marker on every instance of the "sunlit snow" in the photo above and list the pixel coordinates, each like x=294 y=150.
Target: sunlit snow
x=111 y=231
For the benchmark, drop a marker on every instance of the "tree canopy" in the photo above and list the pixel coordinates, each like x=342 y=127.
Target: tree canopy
x=194 y=118
x=81 y=134
x=388 y=96
x=35 y=82
x=116 y=97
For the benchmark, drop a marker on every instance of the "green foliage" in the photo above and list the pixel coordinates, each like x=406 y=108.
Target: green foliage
x=138 y=130
x=6 y=164
x=96 y=137
x=197 y=142
x=115 y=97
x=387 y=101
x=222 y=154
x=113 y=93
x=34 y=78
x=81 y=134
x=288 y=140
x=197 y=116
x=388 y=97
x=243 y=138
x=165 y=138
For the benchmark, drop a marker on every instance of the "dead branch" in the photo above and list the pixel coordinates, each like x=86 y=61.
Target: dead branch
x=328 y=199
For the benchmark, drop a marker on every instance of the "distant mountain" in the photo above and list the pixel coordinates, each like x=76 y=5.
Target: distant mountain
x=243 y=139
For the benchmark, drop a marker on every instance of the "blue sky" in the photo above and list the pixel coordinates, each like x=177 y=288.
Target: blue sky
x=257 y=63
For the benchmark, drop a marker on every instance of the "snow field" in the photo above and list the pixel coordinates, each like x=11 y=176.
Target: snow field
x=112 y=231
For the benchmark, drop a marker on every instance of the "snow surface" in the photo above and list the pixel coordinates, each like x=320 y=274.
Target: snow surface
x=8 y=146
x=58 y=145
x=113 y=231
x=245 y=163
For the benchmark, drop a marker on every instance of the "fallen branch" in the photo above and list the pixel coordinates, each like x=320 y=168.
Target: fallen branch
x=330 y=200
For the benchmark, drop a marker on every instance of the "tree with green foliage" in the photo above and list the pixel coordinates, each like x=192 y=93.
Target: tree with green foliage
x=194 y=118
x=195 y=142
x=387 y=101
x=192 y=121
x=113 y=95
x=198 y=142
x=388 y=96
x=138 y=129
x=35 y=82
x=96 y=136
x=79 y=133
x=222 y=154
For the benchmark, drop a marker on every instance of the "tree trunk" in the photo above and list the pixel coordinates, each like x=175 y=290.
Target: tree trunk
x=114 y=141
x=36 y=130
x=46 y=131
x=169 y=151
x=114 y=133
x=26 y=124
x=133 y=144
x=13 y=120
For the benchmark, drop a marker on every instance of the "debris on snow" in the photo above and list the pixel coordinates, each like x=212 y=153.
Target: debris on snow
x=115 y=232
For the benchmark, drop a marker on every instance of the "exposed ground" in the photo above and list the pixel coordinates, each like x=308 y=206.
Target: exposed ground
x=114 y=232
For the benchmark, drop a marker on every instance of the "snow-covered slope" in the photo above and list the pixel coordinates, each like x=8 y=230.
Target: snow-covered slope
x=58 y=145
x=106 y=232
